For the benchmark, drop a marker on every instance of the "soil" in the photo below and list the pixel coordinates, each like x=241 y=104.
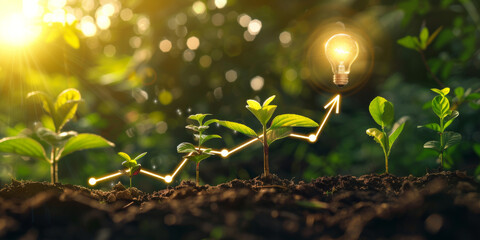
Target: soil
x=443 y=205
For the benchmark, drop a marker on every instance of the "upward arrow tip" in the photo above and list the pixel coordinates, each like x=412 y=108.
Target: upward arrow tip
x=335 y=102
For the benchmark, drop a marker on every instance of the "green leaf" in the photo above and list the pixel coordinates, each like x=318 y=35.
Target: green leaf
x=84 y=141
x=42 y=97
x=381 y=111
x=66 y=107
x=451 y=138
x=473 y=96
x=292 y=120
x=277 y=133
x=378 y=136
x=52 y=138
x=408 y=42
x=204 y=138
x=433 y=126
x=424 y=38
x=264 y=114
x=124 y=156
x=24 y=146
x=210 y=122
x=199 y=117
x=442 y=92
x=199 y=157
x=441 y=106
x=268 y=101
x=129 y=164
x=451 y=117
x=71 y=38
x=192 y=127
x=395 y=133
x=253 y=104
x=435 y=145
x=459 y=92
x=140 y=156
x=434 y=35
x=186 y=147
x=238 y=127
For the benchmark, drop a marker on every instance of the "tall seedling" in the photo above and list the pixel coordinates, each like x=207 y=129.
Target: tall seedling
x=280 y=127
x=60 y=143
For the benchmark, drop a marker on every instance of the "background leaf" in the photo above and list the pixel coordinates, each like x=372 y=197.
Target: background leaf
x=241 y=128
x=24 y=146
x=451 y=138
x=186 y=147
x=66 y=106
x=435 y=145
x=84 y=141
x=292 y=120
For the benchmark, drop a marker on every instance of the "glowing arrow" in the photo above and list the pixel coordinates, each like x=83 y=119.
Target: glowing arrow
x=313 y=137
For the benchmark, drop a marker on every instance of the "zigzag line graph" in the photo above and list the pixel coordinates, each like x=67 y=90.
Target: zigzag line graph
x=334 y=103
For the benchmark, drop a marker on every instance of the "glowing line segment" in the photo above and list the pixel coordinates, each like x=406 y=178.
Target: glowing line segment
x=333 y=103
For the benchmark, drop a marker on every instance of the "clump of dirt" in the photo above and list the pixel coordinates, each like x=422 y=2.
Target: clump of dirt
x=437 y=205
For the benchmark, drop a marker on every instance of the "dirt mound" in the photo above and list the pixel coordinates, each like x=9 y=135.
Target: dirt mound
x=435 y=206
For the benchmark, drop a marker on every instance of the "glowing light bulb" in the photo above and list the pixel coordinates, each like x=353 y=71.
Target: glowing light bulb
x=341 y=50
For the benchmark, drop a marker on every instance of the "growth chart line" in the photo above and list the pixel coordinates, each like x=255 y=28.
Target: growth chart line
x=312 y=137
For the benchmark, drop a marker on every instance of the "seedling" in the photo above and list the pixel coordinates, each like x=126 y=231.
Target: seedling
x=131 y=164
x=61 y=143
x=441 y=107
x=383 y=114
x=197 y=153
x=280 y=127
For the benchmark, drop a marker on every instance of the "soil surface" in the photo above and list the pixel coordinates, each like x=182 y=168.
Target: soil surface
x=442 y=205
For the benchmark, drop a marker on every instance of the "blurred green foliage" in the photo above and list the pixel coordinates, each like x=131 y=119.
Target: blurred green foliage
x=159 y=61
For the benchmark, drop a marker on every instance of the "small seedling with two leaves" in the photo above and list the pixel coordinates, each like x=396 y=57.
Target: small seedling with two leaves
x=441 y=107
x=198 y=153
x=131 y=164
x=383 y=114
x=280 y=127
x=58 y=113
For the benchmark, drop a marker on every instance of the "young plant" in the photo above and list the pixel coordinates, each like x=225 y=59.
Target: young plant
x=441 y=107
x=131 y=164
x=383 y=114
x=60 y=143
x=280 y=127
x=197 y=153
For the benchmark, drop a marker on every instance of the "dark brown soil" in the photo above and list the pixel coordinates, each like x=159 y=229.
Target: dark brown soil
x=442 y=205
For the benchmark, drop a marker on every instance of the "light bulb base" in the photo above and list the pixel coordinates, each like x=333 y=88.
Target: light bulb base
x=340 y=79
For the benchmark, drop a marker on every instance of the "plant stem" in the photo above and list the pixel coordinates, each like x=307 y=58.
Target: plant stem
x=424 y=60
x=266 y=170
x=198 y=173
x=386 y=150
x=441 y=143
x=53 y=166
x=130 y=181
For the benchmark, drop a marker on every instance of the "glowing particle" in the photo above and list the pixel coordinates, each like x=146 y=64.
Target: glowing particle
x=126 y=14
x=312 y=138
x=220 y=3
x=231 y=75
x=199 y=7
x=254 y=26
x=205 y=61
x=165 y=97
x=224 y=152
x=285 y=38
x=165 y=45
x=168 y=179
x=257 y=83
x=193 y=43
x=103 y=22
x=243 y=19
x=188 y=55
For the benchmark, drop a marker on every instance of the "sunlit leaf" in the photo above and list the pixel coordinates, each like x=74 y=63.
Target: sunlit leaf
x=140 y=156
x=433 y=126
x=52 y=138
x=277 y=133
x=24 y=146
x=395 y=133
x=84 y=141
x=381 y=111
x=442 y=92
x=208 y=122
x=198 y=157
x=434 y=35
x=264 y=114
x=204 y=138
x=186 y=147
x=424 y=38
x=451 y=117
x=124 y=156
x=42 y=97
x=292 y=120
x=241 y=128
x=408 y=42
x=253 y=104
x=199 y=117
x=268 y=101
x=379 y=137
x=66 y=106
x=71 y=38
x=440 y=106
